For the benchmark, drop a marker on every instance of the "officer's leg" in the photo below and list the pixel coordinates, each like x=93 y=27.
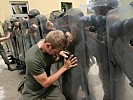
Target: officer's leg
x=23 y=68
x=3 y=54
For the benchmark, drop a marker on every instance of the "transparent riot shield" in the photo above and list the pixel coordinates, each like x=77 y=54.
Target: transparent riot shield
x=22 y=38
x=42 y=25
x=14 y=39
x=75 y=81
x=34 y=31
x=25 y=35
x=19 y=41
x=97 y=53
x=119 y=29
x=90 y=79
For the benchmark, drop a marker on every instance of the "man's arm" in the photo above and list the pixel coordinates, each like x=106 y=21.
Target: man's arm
x=47 y=81
x=5 y=38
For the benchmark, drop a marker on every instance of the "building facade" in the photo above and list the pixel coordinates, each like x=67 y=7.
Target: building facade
x=16 y=8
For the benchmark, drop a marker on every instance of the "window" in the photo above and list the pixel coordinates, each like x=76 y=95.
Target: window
x=65 y=6
x=19 y=8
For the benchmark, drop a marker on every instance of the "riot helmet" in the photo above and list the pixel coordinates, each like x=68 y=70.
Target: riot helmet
x=73 y=12
x=33 y=13
x=101 y=7
x=56 y=14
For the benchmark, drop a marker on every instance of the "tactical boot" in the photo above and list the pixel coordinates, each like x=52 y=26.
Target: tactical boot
x=18 y=67
x=10 y=68
x=23 y=69
x=11 y=59
x=22 y=72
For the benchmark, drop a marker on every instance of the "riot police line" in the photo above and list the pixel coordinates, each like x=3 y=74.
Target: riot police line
x=24 y=34
x=90 y=40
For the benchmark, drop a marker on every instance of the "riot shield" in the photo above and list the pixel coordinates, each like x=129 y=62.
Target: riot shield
x=98 y=49
x=33 y=31
x=25 y=34
x=87 y=79
x=42 y=25
x=79 y=76
x=19 y=42
x=14 y=40
x=75 y=81
x=119 y=29
x=21 y=39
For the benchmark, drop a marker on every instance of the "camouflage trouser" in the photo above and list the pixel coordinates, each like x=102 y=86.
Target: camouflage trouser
x=3 y=54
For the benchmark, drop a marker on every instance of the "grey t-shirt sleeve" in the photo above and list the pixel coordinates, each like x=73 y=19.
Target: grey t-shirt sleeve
x=34 y=66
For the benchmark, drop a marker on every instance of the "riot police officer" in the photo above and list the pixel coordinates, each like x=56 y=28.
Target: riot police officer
x=3 y=53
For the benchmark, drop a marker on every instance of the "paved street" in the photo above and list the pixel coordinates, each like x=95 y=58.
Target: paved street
x=8 y=82
x=97 y=84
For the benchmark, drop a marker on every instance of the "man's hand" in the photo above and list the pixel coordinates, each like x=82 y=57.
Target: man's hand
x=64 y=54
x=58 y=57
x=70 y=62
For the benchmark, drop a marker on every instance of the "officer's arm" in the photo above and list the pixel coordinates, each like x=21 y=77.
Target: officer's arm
x=5 y=38
x=46 y=81
x=121 y=28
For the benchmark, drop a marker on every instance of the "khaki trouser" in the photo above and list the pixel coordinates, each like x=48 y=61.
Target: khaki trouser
x=53 y=93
